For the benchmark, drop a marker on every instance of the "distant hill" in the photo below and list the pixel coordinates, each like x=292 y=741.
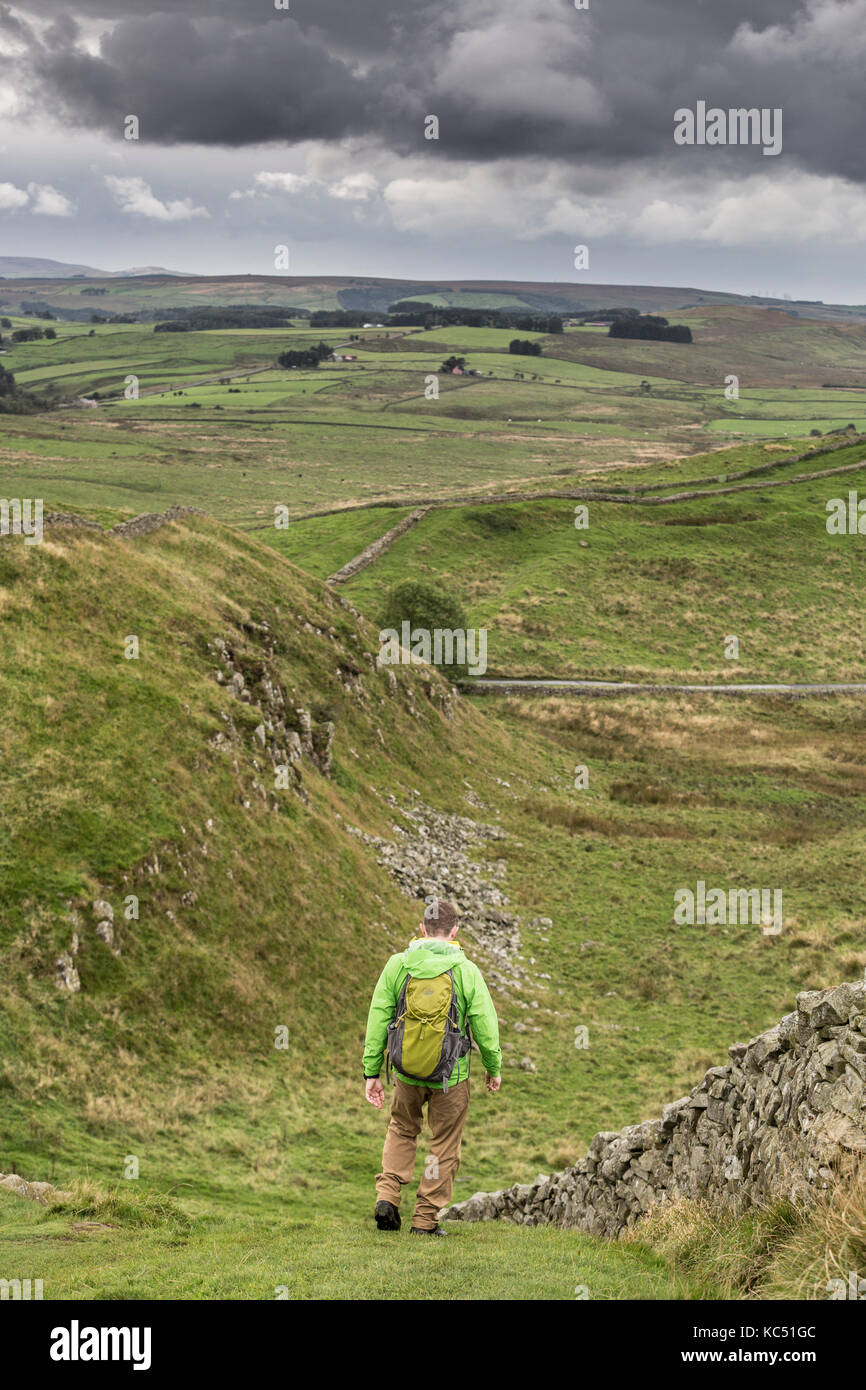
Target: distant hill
x=36 y=267
x=144 y=270
x=152 y=288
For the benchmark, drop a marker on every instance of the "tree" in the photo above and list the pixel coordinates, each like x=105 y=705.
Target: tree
x=427 y=607
x=451 y=362
x=524 y=347
x=304 y=357
x=652 y=328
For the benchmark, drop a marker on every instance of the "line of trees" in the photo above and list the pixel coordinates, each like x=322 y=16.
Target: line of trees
x=338 y=318
x=191 y=320
x=524 y=347
x=407 y=313
x=650 y=326
x=32 y=335
x=305 y=357
x=607 y=315
x=37 y=309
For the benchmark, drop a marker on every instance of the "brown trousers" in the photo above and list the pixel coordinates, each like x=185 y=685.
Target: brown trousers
x=446 y=1116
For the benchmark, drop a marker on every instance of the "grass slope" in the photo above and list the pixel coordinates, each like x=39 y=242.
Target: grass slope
x=258 y=910
x=646 y=591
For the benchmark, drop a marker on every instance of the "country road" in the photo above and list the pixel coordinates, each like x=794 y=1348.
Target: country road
x=792 y=690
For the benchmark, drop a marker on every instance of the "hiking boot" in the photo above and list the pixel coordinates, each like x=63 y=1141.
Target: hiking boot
x=387 y=1216
x=423 y=1231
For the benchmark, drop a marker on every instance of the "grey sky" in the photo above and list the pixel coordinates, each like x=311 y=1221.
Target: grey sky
x=306 y=127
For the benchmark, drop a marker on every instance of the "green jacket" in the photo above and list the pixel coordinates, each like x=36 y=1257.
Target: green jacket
x=424 y=958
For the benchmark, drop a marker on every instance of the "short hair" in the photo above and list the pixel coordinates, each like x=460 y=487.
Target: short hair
x=440 y=918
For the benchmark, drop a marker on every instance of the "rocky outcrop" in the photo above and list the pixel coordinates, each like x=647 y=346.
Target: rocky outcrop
x=785 y=1117
x=286 y=734
x=41 y=1192
x=434 y=858
x=67 y=977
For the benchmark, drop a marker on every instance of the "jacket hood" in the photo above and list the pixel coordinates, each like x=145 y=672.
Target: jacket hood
x=427 y=957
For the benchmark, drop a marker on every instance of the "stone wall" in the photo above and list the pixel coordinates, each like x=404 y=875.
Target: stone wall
x=786 y=1116
x=137 y=526
x=377 y=547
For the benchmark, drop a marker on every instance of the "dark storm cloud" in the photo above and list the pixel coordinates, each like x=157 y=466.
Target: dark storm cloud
x=505 y=77
x=202 y=82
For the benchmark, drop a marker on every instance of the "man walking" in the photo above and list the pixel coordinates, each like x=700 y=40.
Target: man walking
x=427 y=999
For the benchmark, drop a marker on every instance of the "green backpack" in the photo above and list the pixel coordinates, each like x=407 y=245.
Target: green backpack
x=424 y=1037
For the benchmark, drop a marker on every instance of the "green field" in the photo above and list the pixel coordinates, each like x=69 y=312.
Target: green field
x=217 y=425
x=646 y=592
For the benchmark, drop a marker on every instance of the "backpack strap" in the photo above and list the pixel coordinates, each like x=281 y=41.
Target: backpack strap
x=399 y=1011
x=467 y=1034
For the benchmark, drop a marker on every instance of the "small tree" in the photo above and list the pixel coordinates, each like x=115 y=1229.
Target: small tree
x=425 y=606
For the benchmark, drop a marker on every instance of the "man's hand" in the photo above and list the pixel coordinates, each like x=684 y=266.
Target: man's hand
x=493 y=1083
x=375 y=1091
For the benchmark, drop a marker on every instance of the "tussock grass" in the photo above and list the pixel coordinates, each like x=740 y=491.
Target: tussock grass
x=779 y=1251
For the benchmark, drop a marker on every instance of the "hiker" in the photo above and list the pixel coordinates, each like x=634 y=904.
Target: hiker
x=428 y=1005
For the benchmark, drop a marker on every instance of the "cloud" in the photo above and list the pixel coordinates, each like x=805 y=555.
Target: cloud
x=556 y=128
x=585 y=204
x=519 y=77
x=12 y=198
x=824 y=31
x=40 y=199
x=804 y=209
x=136 y=197
x=268 y=184
x=202 y=80
x=48 y=202
x=356 y=187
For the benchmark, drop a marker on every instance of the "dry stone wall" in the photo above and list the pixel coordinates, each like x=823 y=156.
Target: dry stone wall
x=377 y=547
x=785 y=1117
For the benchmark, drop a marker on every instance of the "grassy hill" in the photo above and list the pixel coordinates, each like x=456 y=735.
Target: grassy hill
x=373 y=294
x=259 y=909
x=647 y=591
